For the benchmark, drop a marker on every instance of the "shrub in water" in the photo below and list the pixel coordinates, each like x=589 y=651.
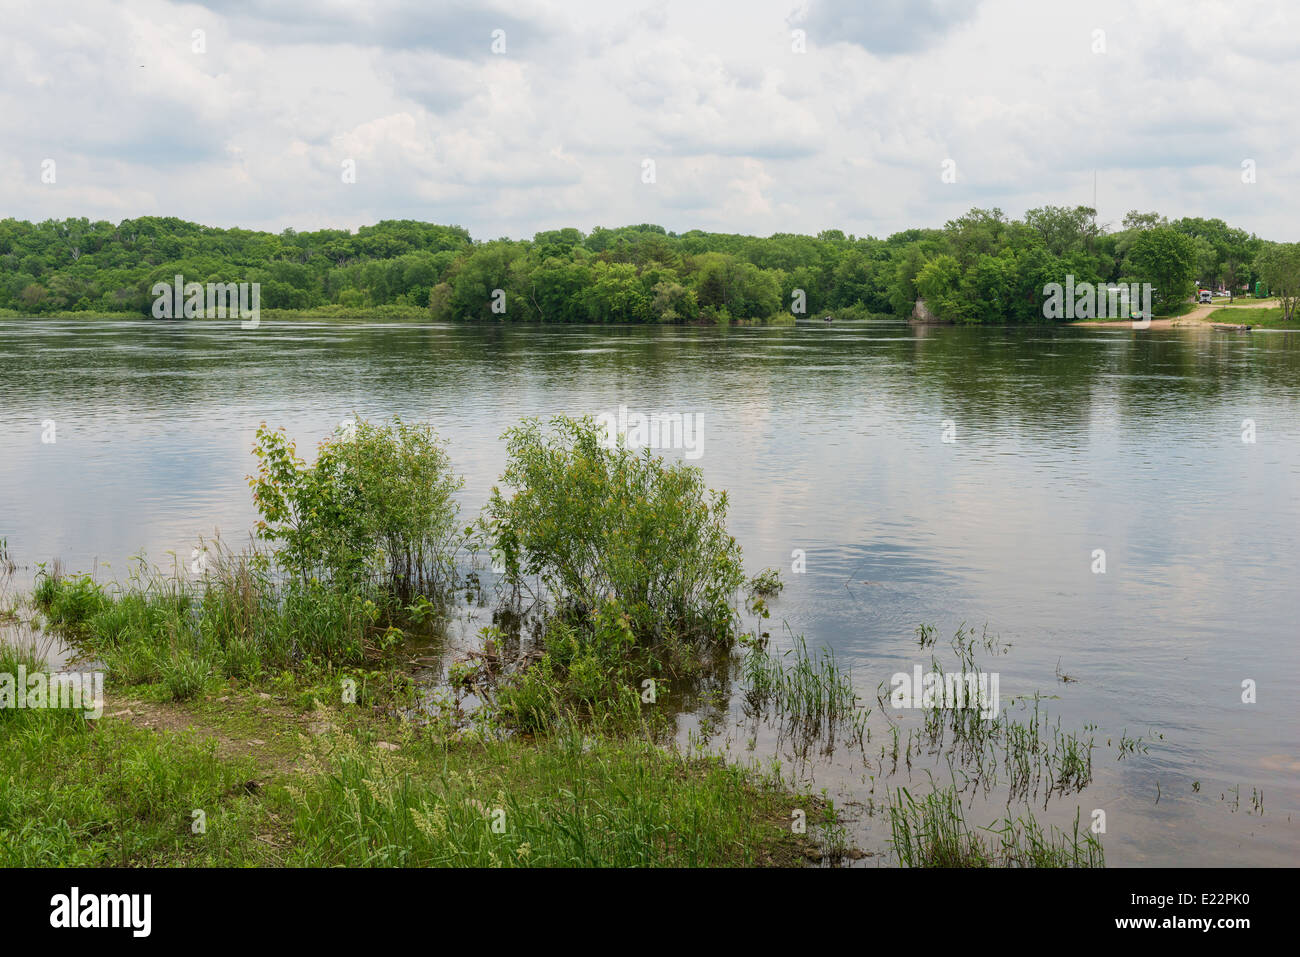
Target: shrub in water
x=596 y=523
x=376 y=506
x=638 y=574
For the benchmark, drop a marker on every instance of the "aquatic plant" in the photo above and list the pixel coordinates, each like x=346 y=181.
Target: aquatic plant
x=377 y=505
x=811 y=692
x=932 y=832
x=592 y=523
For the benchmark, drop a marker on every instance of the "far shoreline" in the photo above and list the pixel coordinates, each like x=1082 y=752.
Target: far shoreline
x=1199 y=316
x=1207 y=316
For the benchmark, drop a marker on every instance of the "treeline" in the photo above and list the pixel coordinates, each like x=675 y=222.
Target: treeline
x=980 y=268
x=76 y=265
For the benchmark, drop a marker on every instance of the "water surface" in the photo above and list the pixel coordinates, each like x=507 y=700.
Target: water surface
x=829 y=440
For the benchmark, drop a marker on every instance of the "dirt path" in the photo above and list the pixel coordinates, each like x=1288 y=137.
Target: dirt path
x=234 y=735
x=1199 y=316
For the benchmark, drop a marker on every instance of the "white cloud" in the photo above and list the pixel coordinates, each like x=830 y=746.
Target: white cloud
x=883 y=26
x=747 y=135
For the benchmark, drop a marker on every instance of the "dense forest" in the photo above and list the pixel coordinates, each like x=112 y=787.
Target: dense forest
x=979 y=268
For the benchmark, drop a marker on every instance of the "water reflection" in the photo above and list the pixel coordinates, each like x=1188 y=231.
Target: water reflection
x=830 y=441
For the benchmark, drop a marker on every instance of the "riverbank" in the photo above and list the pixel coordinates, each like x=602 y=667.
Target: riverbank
x=328 y=765
x=1266 y=316
x=263 y=707
x=301 y=701
x=1264 y=313
x=242 y=777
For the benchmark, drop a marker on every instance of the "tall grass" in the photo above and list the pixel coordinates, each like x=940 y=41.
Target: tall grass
x=80 y=793
x=933 y=832
x=566 y=800
x=236 y=621
x=812 y=693
x=1029 y=755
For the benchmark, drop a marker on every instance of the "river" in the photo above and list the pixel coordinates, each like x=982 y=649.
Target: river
x=917 y=475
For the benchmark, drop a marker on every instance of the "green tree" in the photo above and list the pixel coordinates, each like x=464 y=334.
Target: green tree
x=988 y=289
x=1166 y=258
x=1279 y=267
x=902 y=288
x=1064 y=230
x=376 y=507
x=939 y=284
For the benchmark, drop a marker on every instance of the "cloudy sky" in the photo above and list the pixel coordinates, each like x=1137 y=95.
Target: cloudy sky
x=254 y=121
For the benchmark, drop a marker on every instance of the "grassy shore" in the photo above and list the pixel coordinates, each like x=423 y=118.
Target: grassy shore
x=264 y=708
x=241 y=728
x=246 y=777
x=289 y=755
x=1259 y=318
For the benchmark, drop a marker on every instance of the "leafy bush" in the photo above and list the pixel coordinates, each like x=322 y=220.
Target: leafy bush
x=637 y=572
x=374 y=515
x=595 y=523
x=377 y=506
x=592 y=667
x=70 y=601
